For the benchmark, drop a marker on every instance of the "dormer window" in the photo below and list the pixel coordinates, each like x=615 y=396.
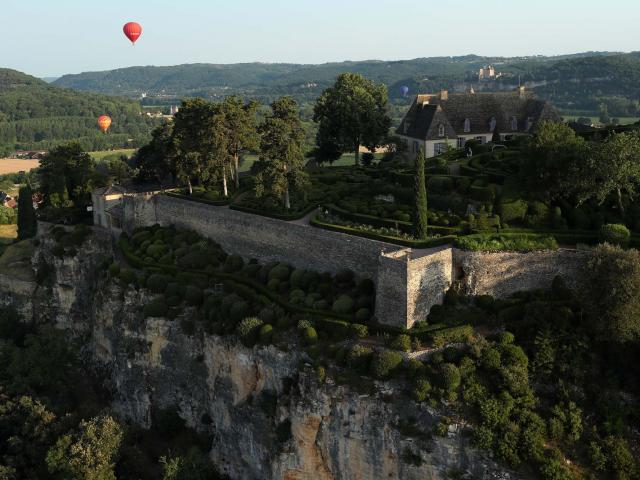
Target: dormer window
x=467 y=125
x=529 y=123
x=514 y=124
x=441 y=130
x=492 y=124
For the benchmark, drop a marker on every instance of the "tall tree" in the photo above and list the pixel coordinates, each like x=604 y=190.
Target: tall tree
x=155 y=161
x=240 y=131
x=420 y=220
x=281 y=152
x=200 y=146
x=67 y=174
x=351 y=113
x=27 y=221
x=612 y=167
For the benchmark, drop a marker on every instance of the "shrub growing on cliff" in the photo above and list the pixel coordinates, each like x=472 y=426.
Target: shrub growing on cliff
x=248 y=330
x=155 y=308
x=384 y=363
x=449 y=377
x=421 y=389
x=359 y=357
x=615 y=234
x=157 y=283
x=343 y=304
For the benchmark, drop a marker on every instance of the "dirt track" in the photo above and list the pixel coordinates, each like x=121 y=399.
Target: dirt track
x=13 y=165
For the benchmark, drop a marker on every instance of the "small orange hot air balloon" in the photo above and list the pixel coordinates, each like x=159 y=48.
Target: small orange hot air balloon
x=132 y=31
x=104 y=122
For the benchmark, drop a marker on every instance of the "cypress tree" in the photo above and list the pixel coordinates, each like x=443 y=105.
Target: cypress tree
x=420 y=214
x=27 y=222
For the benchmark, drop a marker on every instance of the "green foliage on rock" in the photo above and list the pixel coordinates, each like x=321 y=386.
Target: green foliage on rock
x=385 y=363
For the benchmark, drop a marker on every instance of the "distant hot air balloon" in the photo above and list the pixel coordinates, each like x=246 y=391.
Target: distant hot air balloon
x=133 y=31
x=404 y=90
x=104 y=122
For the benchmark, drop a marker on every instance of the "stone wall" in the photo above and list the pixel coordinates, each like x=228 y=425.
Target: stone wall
x=409 y=282
x=254 y=236
x=502 y=274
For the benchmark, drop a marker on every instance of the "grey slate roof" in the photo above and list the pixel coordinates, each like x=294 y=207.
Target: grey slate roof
x=429 y=111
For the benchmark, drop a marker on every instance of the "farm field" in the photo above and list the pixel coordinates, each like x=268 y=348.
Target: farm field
x=8 y=233
x=101 y=155
x=14 y=165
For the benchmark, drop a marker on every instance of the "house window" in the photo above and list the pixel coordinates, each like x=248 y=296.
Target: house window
x=514 y=124
x=440 y=148
x=481 y=139
x=416 y=147
x=461 y=142
x=467 y=125
x=492 y=124
x=529 y=123
x=441 y=130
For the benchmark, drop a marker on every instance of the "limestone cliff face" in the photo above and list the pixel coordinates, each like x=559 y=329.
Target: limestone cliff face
x=267 y=415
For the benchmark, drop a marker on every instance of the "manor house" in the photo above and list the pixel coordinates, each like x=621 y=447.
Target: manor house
x=436 y=121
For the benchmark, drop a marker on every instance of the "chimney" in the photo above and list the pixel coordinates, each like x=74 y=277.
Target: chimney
x=521 y=91
x=444 y=95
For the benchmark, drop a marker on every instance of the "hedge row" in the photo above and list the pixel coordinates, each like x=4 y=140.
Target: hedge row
x=404 y=227
x=432 y=242
x=215 y=203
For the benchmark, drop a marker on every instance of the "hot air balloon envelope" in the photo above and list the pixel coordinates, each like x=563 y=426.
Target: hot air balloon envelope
x=133 y=31
x=404 y=90
x=104 y=122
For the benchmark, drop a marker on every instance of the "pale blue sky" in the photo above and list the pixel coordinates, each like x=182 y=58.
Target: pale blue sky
x=53 y=37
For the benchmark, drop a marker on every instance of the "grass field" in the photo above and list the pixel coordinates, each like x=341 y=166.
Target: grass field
x=8 y=233
x=98 y=156
x=13 y=165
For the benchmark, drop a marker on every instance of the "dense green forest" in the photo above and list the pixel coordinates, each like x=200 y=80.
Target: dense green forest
x=593 y=82
x=36 y=115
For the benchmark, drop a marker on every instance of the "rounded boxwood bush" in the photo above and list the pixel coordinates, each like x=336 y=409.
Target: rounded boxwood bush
x=274 y=284
x=505 y=338
x=359 y=357
x=402 y=343
x=233 y=263
x=343 y=304
x=239 y=311
x=310 y=336
x=615 y=234
x=385 y=363
x=358 y=330
x=279 y=272
x=297 y=279
x=155 y=308
x=248 y=330
x=321 y=305
x=157 y=251
x=157 y=283
x=266 y=334
x=449 y=377
x=363 y=315
x=174 y=289
x=193 y=295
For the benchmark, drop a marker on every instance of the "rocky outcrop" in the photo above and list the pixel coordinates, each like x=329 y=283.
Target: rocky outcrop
x=265 y=411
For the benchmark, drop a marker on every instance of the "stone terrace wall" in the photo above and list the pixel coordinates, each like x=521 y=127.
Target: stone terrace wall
x=430 y=276
x=254 y=236
x=502 y=274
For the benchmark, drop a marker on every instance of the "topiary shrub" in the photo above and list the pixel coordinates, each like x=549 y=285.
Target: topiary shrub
x=193 y=295
x=157 y=283
x=310 y=336
x=358 y=330
x=297 y=279
x=266 y=334
x=513 y=211
x=449 y=377
x=279 y=272
x=155 y=308
x=339 y=330
x=238 y=311
x=402 y=343
x=359 y=357
x=343 y=304
x=363 y=315
x=615 y=234
x=233 y=263
x=248 y=330
x=384 y=363
x=505 y=338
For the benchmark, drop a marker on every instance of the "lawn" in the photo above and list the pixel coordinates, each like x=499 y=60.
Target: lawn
x=107 y=154
x=346 y=160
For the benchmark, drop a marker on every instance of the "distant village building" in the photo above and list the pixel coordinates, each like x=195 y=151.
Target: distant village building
x=436 y=122
x=488 y=73
x=29 y=154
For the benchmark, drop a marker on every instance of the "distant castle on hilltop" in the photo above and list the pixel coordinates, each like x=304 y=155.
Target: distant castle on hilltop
x=488 y=73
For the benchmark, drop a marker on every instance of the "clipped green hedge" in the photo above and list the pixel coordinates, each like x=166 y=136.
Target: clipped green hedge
x=506 y=242
x=432 y=242
x=216 y=203
x=278 y=216
x=445 y=336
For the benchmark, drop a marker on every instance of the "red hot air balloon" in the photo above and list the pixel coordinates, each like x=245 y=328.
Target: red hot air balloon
x=133 y=31
x=104 y=122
